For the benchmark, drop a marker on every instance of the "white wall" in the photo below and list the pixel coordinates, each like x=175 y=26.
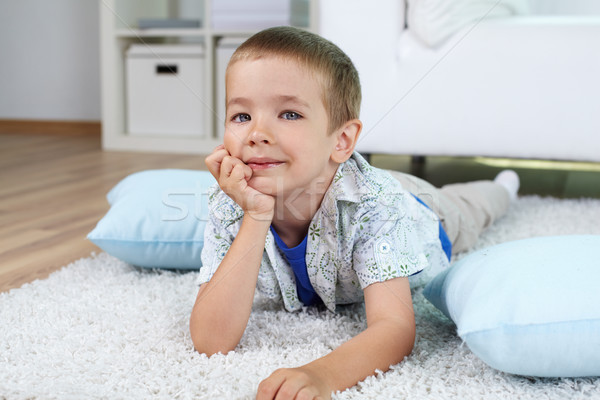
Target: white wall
x=49 y=59
x=49 y=56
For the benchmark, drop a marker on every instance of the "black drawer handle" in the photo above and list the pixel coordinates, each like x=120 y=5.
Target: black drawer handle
x=166 y=69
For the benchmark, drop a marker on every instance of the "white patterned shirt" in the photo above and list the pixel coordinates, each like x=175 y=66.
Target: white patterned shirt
x=368 y=229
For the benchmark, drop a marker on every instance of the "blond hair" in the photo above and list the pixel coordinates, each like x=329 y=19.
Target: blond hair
x=341 y=85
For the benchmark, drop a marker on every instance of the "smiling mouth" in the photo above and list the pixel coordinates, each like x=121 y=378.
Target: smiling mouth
x=262 y=163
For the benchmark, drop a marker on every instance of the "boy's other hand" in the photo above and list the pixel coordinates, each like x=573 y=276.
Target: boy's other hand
x=300 y=383
x=233 y=175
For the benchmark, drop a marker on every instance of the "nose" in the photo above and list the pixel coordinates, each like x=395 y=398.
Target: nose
x=259 y=135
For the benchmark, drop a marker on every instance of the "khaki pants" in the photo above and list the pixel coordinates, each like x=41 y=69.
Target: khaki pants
x=465 y=209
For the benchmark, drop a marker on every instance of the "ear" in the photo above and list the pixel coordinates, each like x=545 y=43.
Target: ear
x=346 y=139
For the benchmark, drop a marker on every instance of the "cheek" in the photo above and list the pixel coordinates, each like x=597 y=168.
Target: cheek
x=232 y=142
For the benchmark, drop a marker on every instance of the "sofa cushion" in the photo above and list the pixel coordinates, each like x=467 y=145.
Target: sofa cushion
x=434 y=21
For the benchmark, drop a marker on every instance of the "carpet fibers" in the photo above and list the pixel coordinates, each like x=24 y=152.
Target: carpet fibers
x=102 y=329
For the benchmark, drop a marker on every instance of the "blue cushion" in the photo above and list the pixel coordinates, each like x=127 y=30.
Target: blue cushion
x=528 y=307
x=156 y=219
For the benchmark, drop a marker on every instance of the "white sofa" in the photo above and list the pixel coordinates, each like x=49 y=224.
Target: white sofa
x=522 y=86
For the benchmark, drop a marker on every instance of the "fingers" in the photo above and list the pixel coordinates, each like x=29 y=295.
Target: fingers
x=233 y=170
x=305 y=393
x=308 y=393
x=233 y=177
x=223 y=166
x=296 y=389
x=214 y=160
x=267 y=389
x=287 y=384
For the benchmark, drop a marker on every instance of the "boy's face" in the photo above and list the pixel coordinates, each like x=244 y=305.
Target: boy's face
x=276 y=123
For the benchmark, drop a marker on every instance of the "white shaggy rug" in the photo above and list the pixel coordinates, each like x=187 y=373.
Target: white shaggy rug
x=101 y=329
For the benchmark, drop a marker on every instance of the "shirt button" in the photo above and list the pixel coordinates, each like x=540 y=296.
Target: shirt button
x=384 y=247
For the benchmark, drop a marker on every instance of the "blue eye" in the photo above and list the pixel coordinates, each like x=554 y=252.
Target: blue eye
x=241 y=118
x=291 y=115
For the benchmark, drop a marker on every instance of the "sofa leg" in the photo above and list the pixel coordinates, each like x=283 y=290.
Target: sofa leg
x=417 y=166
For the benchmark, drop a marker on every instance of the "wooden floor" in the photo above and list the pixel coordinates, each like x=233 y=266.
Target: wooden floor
x=52 y=193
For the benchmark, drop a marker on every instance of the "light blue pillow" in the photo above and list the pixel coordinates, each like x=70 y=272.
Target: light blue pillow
x=156 y=219
x=529 y=307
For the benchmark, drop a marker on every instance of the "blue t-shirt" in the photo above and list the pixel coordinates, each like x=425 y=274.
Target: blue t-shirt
x=446 y=243
x=296 y=256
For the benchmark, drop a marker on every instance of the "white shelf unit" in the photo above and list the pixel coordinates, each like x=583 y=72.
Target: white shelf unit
x=118 y=30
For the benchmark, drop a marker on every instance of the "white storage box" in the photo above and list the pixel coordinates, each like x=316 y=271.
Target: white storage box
x=165 y=90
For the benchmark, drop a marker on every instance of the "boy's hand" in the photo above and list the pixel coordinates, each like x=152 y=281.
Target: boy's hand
x=233 y=175
x=294 y=383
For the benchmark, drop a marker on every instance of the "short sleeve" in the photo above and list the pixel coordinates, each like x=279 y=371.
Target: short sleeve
x=216 y=246
x=392 y=244
x=218 y=237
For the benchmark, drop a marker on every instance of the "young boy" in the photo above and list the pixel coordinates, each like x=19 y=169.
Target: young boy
x=301 y=217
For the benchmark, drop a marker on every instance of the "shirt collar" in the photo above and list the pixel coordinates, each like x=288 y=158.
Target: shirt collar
x=349 y=184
